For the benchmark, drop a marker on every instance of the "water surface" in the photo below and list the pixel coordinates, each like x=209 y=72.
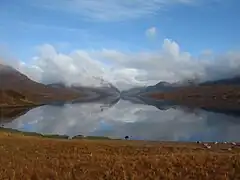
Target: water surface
x=118 y=118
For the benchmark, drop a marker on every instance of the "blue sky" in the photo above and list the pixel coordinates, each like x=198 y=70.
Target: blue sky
x=204 y=25
x=121 y=25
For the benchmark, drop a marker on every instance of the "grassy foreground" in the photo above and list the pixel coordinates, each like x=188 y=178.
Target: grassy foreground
x=33 y=157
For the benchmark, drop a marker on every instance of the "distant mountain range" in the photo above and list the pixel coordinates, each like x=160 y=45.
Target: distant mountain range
x=219 y=95
x=227 y=81
x=19 y=90
x=216 y=96
x=160 y=87
x=163 y=87
x=91 y=93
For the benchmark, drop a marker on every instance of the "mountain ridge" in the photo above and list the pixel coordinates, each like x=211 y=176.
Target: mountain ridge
x=14 y=84
x=164 y=86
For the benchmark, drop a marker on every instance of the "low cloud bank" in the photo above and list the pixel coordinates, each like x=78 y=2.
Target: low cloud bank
x=126 y=70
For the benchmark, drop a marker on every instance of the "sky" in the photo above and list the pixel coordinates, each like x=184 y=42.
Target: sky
x=127 y=42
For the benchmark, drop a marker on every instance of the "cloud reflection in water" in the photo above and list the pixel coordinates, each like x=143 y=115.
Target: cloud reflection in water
x=136 y=120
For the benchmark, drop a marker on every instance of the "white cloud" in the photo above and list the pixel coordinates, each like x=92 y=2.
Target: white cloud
x=126 y=70
x=109 y=10
x=151 y=32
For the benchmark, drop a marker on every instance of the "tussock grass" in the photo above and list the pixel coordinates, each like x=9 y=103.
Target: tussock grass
x=31 y=157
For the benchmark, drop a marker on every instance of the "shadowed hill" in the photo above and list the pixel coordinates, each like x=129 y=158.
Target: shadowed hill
x=17 y=89
x=223 y=94
x=217 y=96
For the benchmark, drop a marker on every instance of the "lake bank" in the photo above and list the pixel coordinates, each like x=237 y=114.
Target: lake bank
x=26 y=157
x=15 y=132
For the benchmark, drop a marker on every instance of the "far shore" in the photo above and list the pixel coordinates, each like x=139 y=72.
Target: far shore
x=54 y=136
x=16 y=132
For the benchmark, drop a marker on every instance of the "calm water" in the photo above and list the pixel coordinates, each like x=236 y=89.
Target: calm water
x=119 y=118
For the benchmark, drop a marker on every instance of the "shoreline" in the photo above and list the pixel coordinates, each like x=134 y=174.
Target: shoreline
x=82 y=137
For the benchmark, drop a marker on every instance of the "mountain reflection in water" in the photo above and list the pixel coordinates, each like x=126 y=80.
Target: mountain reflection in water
x=9 y=114
x=139 y=119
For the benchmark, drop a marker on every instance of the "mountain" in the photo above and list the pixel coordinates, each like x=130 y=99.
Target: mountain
x=91 y=93
x=229 y=81
x=223 y=94
x=10 y=97
x=160 y=87
x=219 y=94
x=18 y=90
x=106 y=84
x=165 y=87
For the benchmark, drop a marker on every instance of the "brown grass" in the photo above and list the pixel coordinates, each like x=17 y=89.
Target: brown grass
x=24 y=157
